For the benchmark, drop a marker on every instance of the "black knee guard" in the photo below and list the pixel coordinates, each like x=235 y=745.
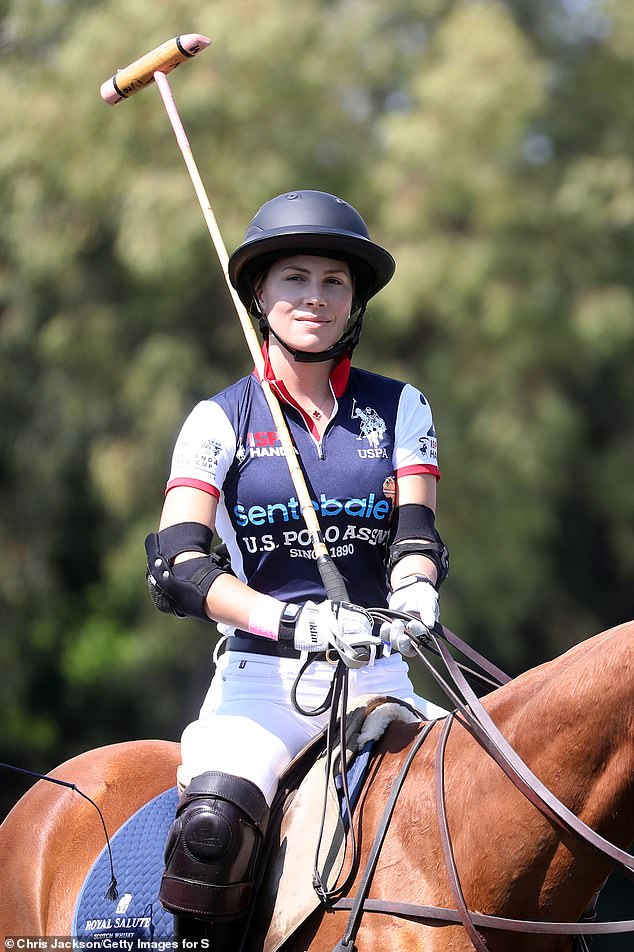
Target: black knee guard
x=212 y=848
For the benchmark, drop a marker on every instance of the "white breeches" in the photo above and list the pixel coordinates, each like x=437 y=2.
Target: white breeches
x=248 y=727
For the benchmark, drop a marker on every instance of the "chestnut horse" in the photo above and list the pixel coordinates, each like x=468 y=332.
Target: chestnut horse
x=572 y=722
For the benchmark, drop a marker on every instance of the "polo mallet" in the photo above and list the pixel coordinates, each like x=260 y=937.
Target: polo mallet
x=153 y=67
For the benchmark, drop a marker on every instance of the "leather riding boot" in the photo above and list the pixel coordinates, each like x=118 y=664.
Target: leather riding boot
x=214 y=936
x=212 y=848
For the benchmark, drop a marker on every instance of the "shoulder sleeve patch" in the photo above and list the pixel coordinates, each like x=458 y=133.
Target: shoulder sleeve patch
x=205 y=446
x=415 y=443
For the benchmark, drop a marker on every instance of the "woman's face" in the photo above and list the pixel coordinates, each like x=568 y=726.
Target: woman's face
x=307 y=300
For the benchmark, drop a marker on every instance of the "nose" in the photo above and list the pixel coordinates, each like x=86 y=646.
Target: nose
x=314 y=294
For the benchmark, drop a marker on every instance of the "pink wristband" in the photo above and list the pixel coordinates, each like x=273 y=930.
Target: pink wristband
x=264 y=619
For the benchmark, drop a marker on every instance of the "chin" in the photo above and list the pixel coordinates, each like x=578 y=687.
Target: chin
x=311 y=343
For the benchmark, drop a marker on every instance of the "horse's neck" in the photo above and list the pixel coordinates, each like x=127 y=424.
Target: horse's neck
x=572 y=722
x=580 y=713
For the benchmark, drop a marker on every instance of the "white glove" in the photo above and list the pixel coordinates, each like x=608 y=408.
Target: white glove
x=344 y=626
x=415 y=594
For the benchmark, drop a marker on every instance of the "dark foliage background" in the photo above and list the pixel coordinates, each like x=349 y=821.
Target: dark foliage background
x=489 y=146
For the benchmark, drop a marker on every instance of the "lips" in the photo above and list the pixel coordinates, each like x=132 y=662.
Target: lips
x=312 y=319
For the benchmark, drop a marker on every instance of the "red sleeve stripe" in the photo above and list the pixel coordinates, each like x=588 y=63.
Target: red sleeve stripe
x=418 y=470
x=193 y=484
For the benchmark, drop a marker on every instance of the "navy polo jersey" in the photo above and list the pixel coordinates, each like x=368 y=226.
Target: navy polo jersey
x=380 y=429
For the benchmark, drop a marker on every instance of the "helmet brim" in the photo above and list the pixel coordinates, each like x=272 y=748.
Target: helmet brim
x=373 y=265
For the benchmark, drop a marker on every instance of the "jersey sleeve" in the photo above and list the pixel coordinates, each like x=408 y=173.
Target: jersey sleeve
x=204 y=450
x=415 y=443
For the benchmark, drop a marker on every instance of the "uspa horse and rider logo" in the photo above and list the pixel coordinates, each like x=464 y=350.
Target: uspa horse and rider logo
x=372 y=428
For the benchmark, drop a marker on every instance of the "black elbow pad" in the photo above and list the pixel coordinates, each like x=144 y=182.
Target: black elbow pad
x=182 y=589
x=413 y=532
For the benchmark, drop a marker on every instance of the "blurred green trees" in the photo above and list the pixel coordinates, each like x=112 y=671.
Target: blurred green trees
x=488 y=145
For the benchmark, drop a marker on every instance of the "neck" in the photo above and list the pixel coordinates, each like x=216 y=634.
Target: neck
x=582 y=706
x=301 y=379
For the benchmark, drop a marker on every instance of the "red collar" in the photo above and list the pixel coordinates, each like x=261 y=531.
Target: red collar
x=338 y=378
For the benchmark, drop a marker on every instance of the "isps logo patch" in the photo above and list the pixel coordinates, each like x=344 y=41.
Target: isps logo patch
x=259 y=444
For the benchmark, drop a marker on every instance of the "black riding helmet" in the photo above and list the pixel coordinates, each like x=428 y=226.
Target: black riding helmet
x=311 y=222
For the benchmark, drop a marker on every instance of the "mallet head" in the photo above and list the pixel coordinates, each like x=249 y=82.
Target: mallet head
x=166 y=57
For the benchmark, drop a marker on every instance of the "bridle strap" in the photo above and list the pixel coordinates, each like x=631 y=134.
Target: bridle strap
x=338 y=711
x=501 y=677
x=487 y=734
x=462 y=915
x=450 y=863
x=441 y=915
x=357 y=905
x=477 y=721
x=494 y=676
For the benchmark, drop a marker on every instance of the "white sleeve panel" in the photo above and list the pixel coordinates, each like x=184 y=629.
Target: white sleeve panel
x=205 y=447
x=415 y=444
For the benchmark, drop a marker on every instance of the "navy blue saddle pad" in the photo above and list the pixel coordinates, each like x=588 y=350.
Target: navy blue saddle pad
x=137 y=853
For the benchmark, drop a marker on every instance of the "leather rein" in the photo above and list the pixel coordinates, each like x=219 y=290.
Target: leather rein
x=472 y=715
